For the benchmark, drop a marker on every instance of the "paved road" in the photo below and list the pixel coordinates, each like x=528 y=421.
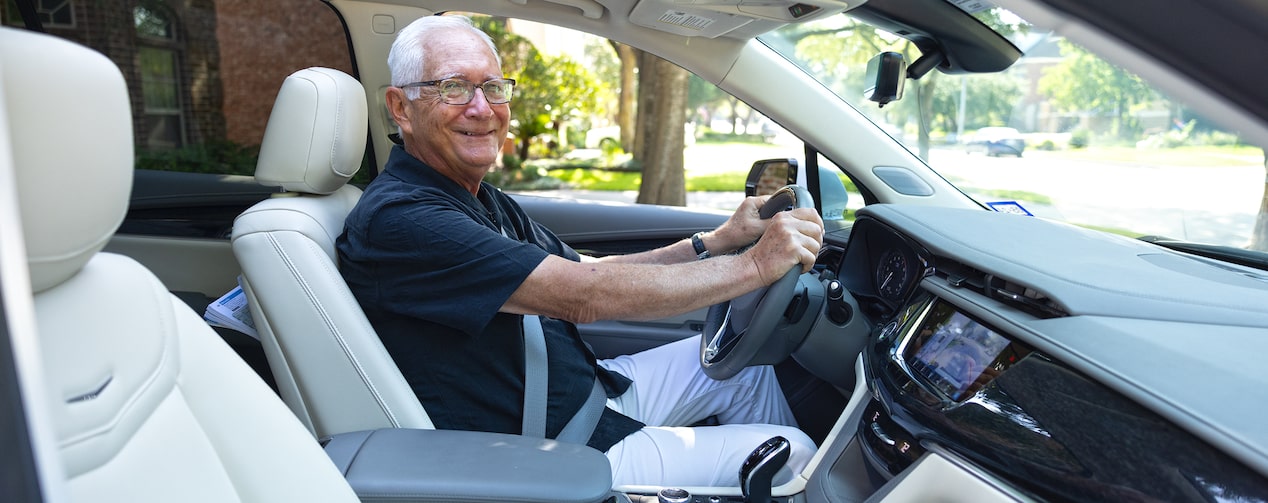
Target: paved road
x=1210 y=204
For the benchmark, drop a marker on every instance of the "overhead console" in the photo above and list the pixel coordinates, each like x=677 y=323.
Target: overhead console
x=734 y=18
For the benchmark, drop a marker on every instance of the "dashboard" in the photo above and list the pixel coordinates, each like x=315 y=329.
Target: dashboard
x=1070 y=364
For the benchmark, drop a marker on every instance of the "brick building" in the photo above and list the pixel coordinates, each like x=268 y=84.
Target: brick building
x=199 y=71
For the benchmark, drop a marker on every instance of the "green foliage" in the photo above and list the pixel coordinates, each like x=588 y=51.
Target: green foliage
x=515 y=176
x=598 y=179
x=548 y=90
x=706 y=135
x=1083 y=82
x=221 y=157
x=1080 y=138
x=1014 y=195
x=1188 y=136
x=1046 y=145
x=512 y=162
x=990 y=100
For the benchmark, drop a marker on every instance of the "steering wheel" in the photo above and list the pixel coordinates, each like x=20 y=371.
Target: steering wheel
x=735 y=331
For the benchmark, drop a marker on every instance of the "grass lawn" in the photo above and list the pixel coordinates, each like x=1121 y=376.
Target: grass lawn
x=710 y=167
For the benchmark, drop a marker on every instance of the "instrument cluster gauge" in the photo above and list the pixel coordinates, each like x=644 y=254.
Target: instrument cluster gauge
x=892 y=274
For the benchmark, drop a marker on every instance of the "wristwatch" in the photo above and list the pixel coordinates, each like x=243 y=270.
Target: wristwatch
x=698 y=244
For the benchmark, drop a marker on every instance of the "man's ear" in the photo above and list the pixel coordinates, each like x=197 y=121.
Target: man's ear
x=398 y=108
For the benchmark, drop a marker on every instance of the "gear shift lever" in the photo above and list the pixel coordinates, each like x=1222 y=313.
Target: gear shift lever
x=758 y=471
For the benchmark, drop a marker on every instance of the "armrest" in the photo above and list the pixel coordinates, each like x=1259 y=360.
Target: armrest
x=409 y=465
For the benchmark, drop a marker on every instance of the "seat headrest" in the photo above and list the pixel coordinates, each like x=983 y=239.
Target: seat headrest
x=69 y=121
x=316 y=134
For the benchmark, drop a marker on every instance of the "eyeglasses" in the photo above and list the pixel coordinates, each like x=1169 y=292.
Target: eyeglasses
x=461 y=92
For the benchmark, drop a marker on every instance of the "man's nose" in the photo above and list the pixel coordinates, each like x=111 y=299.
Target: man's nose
x=479 y=105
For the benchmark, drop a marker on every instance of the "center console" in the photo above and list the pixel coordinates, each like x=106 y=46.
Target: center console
x=409 y=465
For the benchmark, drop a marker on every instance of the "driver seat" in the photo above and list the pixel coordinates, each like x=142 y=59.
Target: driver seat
x=329 y=364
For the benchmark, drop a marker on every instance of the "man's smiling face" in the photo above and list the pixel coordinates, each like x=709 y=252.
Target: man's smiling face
x=460 y=141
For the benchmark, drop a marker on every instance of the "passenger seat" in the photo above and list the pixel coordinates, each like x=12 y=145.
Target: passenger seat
x=147 y=402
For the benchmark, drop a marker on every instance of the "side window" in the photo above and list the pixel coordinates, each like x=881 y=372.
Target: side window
x=52 y=13
x=202 y=74
x=587 y=131
x=161 y=125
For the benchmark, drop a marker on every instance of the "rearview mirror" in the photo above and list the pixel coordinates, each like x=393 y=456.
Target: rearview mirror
x=886 y=74
x=768 y=175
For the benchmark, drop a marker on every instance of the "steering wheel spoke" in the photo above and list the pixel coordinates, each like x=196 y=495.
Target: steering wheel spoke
x=737 y=330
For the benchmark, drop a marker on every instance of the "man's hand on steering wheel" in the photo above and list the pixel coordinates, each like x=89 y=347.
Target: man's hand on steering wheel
x=744 y=227
x=736 y=332
x=792 y=238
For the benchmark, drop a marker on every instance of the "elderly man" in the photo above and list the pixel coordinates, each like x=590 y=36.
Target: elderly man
x=446 y=267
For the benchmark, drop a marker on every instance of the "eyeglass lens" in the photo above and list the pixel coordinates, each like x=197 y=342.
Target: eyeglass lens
x=460 y=92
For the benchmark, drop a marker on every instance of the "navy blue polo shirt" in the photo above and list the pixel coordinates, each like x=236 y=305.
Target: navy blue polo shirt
x=431 y=265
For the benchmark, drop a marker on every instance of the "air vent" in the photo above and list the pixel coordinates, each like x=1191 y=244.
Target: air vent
x=1020 y=296
x=1024 y=298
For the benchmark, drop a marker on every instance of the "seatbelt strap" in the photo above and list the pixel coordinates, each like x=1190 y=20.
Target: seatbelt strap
x=581 y=426
x=535 y=374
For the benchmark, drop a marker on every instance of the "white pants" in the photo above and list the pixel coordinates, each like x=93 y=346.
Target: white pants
x=669 y=392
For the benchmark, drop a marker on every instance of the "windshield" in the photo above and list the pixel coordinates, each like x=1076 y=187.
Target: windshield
x=1062 y=133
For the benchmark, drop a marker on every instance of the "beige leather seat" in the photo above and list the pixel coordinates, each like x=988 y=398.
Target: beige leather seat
x=147 y=402
x=330 y=366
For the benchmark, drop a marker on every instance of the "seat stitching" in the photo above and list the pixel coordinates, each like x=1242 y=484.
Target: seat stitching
x=308 y=291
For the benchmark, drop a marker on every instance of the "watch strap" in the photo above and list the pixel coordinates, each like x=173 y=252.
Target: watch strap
x=698 y=245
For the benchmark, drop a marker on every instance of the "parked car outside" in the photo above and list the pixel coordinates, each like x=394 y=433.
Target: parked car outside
x=996 y=141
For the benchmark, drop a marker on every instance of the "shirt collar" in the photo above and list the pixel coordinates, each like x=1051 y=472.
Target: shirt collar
x=409 y=169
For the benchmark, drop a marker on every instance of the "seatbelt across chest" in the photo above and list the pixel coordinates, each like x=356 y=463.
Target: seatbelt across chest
x=536 y=374
x=535 y=378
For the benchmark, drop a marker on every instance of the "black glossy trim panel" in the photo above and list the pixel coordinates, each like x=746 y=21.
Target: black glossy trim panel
x=1055 y=433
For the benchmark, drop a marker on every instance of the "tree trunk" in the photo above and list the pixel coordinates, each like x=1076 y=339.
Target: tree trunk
x=664 y=180
x=735 y=115
x=523 y=148
x=628 y=101
x=926 y=113
x=1259 y=236
x=645 y=118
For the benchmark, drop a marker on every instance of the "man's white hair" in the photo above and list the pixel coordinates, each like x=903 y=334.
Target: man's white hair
x=407 y=57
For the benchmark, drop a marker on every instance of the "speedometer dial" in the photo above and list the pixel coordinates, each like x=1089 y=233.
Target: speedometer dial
x=892 y=274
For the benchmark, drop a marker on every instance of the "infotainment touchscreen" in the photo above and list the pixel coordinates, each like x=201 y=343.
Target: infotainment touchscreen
x=955 y=354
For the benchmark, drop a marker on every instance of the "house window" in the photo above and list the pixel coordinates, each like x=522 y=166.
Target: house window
x=163 y=124
x=52 y=13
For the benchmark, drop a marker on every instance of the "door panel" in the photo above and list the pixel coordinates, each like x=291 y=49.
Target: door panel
x=185 y=265
x=602 y=228
x=615 y=338
x=178 y=225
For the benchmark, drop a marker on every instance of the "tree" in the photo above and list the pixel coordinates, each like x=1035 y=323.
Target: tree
x=703 y=98
x=850 y=43
x=1083 y=82
x=548 y=89
x=1259 y=235
x=663 y=103
x=627 y=103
